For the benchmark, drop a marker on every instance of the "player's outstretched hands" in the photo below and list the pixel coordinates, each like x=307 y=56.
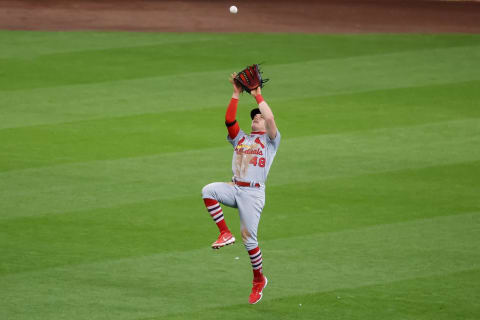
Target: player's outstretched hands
x=237 y=89
x=256 y=92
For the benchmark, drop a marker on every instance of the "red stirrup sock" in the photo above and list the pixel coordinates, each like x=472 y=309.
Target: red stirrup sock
x=256 y=260
x=216 y=213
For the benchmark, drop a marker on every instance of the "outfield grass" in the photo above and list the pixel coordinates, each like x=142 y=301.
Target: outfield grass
x=373 y=202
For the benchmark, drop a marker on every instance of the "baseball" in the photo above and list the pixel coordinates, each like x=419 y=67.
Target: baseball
x=233 y=9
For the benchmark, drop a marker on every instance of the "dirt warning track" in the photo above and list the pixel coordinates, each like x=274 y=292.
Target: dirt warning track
x=322 y=16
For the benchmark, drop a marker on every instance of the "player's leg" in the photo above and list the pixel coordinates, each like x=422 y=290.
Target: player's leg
x=250 y=204
x=213 y=194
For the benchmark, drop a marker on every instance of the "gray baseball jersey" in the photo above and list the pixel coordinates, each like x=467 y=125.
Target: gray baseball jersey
x=253 y=155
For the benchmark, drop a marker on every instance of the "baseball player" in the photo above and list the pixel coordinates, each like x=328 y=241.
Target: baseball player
x=253 y=155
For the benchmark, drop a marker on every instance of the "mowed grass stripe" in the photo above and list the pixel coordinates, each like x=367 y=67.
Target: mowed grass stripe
x=385 y=108
x=219 y=52
x=141 y=135
x=149 y=286
x=376 y=198
x=186 y=92
x=26 y=44
x=145 y=228
x=449 y=296
x=382 y=150
x=109 y=183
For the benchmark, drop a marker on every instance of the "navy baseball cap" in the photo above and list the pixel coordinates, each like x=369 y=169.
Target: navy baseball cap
x=254 y=112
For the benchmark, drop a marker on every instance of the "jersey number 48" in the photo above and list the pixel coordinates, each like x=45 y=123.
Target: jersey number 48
x=259 y=161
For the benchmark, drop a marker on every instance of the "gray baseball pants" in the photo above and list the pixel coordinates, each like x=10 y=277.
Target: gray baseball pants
x=249 y=201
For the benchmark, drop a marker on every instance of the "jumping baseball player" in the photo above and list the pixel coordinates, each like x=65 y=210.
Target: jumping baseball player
x=253 y=155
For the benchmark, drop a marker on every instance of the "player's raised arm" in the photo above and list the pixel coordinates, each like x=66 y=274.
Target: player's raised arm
x=267 y=113
x=231 y=114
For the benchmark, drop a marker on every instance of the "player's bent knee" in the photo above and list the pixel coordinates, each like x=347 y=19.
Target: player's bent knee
x=208 y=191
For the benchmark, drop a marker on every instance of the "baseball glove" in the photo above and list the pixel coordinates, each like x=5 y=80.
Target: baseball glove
x=250 y=78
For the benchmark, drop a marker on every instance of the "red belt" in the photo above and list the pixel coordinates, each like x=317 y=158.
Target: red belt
x=247 y=184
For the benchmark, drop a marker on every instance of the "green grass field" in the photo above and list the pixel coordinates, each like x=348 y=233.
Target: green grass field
x=107 y=138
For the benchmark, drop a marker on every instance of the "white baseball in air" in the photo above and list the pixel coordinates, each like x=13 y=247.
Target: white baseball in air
x=233 y=9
